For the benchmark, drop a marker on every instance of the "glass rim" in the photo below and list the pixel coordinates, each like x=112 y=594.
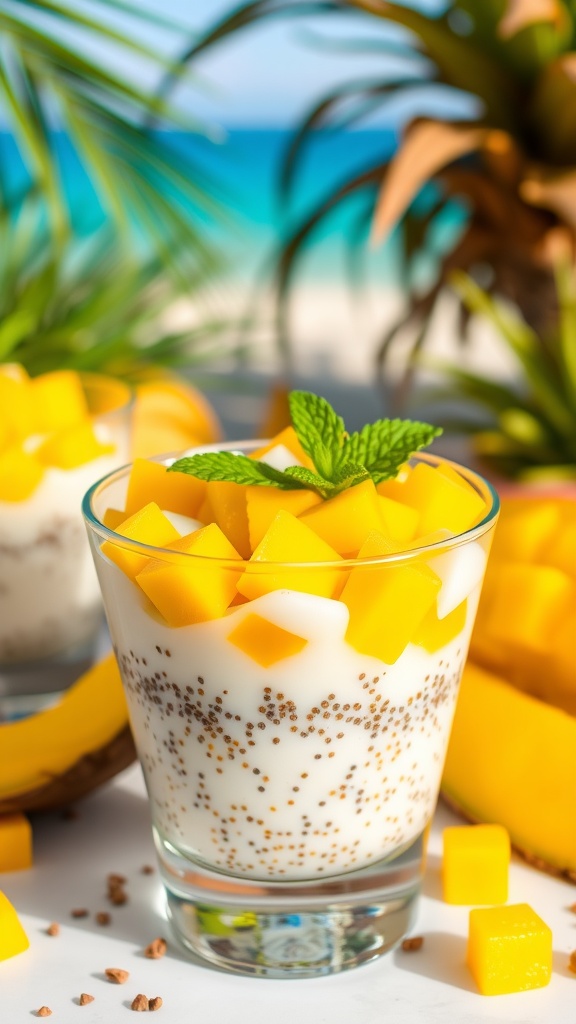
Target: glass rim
x=482 y=486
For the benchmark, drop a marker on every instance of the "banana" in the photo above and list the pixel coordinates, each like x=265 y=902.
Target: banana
x=511 y=761
x=59 y=755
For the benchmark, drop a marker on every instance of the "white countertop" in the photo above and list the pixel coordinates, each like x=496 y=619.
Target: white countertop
x=112 y=834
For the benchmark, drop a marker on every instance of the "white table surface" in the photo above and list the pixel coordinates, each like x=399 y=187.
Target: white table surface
x=112 y=834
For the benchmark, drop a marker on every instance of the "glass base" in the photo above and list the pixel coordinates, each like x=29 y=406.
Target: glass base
x=291 y=929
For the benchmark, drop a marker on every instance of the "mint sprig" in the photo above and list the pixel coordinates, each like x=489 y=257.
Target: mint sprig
x=340 y=460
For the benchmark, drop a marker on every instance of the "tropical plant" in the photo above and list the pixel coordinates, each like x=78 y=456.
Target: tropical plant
x=512 y=161
x=524 y=428
x=87 y=306
x=63 y=81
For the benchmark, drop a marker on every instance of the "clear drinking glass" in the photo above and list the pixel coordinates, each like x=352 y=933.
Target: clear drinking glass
x=50 y=602
x=292 y=774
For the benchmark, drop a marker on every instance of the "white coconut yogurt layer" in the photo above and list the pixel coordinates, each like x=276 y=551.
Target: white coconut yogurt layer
x=324 y=762
x=49 y=595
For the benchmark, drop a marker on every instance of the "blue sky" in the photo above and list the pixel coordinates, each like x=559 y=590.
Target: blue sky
x=270 y=74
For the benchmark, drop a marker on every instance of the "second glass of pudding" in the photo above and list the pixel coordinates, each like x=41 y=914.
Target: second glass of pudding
x=291 y=704
x=59 y=432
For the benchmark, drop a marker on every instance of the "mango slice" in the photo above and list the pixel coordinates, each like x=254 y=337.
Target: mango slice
x=525 y=603
x=475 y=864
x=15 y=843
x=387 y=604
x=59 y=401
x=196 y=592
x=227 y=505
x=16 y=406
x=265 y=642
x=148 y=526
x=20 y=474
x=509 y=949
x=113 y=517
x=344 y=521
x=400 y=520
x=13 y=938
x=288 y=539
x=71 y=447
x=176 y=492
x=492 y=775
x=442 y=503
x=434 y=633
x=262 y=504
x=525 y=530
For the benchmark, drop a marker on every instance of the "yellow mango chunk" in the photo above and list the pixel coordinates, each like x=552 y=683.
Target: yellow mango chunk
x=288 y=438
x=187 y=591
x=475 y=864
x=71 y=447
x=288 y=539
x=525 y=529
x=262 y=504
x=113 y=517
x=13 y=938
x=442 y=503
x=400 y=520
x=344 y=521
x=16 y=407
x=434 y=633
x=148 y=526
x=20 y=475
x=561 y=552
x=377 y=545
x=15 y=843
x=509 y=949
x=59 y=401
x=393 y=489
x=387 y=604
x=265 y=642
x=227 y=504
x=525 y=606
x=175 y=492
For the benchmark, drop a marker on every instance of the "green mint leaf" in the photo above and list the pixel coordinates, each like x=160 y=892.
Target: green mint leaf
x=384 y=446
x=311 y=480
x=319 y=429
x=237 y=469
x=348 y=474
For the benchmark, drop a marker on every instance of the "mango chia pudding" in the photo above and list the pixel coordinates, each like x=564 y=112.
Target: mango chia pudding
x=59 y=432
x=291 y=622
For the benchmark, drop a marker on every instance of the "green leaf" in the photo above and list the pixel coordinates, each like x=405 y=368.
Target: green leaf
x=235 y=468
x=384 y=446
x=319 y=429
x=349 y=474
x=311 y=480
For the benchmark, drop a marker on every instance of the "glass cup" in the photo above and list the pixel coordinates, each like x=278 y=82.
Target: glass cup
x=50 y=601
x=292 y=746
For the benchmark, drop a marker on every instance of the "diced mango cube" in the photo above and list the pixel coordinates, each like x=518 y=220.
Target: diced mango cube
x=265 y=642
x=394 y=489
x=175 y=492
x=526 y=604
x=227 y=503
x=16 y=407
x=113 y=517
x=288 y=539
x=387 y=604
x=59 y=400
x=400 y=520
x=434 y=633
x=345 y=520
x=262 y=504
x=509 y=949
x=20 y=475
x=71 y=447
x=526 y=529
x=289 y=440
x=377 y=545
x=193 y=590
x=149 y=526
x=15 y=843
x=442 y=503
x=561 y=552
x=13 y=938
x=475 y=864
